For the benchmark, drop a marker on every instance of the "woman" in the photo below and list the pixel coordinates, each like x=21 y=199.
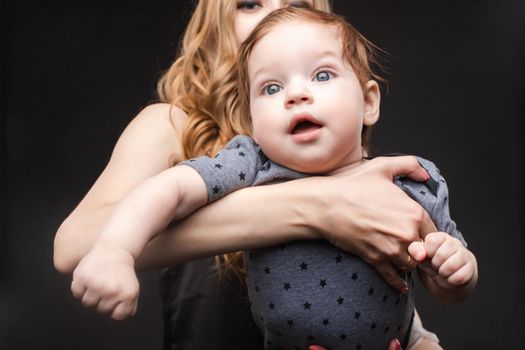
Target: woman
x=193 y=120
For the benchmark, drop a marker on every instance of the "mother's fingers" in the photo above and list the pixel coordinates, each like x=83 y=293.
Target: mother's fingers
x=394 y=345
x=427 y=225
x=405 y=166
x=391 y=276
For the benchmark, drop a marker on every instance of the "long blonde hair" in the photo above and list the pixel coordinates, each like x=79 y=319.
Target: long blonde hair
x=202 y=82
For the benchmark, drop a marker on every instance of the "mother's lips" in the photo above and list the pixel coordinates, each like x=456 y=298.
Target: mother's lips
x=303 y=122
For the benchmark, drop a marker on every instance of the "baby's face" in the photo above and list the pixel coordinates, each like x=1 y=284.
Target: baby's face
x=306 y=103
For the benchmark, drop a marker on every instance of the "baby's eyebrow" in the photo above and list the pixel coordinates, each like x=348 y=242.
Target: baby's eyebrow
x=261 y=70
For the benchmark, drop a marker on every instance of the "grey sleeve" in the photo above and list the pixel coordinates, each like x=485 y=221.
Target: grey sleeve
x=433 y=197
x=233 y=168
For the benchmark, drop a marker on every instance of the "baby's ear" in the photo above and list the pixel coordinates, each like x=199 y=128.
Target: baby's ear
x=372 y=97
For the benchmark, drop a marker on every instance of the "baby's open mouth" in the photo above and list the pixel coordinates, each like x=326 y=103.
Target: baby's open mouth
x=303 y=123
x=304 y=127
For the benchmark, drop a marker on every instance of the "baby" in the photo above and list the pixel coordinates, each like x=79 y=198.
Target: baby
x=305 y=80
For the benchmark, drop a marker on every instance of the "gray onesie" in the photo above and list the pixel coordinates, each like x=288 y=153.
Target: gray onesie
x=310 y=292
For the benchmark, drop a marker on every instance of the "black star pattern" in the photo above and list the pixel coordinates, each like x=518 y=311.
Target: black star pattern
x=290 y=323
x=217 y=155
x=287 y=286
x=385 y=297
x=371 y=291
x=340 y=300
x=422 y=192
x=326 y=322
x=338 y=259
x=242 y=176
x=267 y=270
x=215 y=190
x=218 y=166
x=303 y=266
x=342 y=336
x=307 y=306
x=354 y=277
x=242 y=154
x=192 y=160
x=322 y=283
x=271 y=306
x=237 y=145
x=357 y=315
x=373 y=326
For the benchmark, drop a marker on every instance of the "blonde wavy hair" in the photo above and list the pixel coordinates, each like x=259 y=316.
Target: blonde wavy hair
x=358 y=52
x=202 y=82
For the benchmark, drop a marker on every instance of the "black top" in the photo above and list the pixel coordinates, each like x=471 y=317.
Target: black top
x=203 y=311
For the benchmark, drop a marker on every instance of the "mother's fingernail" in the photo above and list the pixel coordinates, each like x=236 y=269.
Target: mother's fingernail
x=404 y=289
x=397 y=344
x=425 y=173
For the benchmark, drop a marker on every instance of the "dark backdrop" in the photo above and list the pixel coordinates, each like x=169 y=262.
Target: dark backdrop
x=76 y=72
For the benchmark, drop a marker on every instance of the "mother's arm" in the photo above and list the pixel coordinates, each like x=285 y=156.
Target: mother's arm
x=361 y=211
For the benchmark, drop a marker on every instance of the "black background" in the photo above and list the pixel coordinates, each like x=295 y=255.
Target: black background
x=76 y=72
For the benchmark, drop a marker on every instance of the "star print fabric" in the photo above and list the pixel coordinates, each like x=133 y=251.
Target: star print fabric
x=240 y=164
x=310 y=292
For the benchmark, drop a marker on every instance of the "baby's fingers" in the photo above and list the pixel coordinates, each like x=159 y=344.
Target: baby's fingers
x=106 y=306
x=463 y=276
x=433 y=242
x=124 y=309
x=417 y=251
x=90 y=299
x=78 y=289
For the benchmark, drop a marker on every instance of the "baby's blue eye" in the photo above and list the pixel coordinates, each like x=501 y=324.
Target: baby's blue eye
x=323 y=76
x=271 y=89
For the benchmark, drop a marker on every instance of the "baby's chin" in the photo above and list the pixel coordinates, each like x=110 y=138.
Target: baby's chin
x=314 y=167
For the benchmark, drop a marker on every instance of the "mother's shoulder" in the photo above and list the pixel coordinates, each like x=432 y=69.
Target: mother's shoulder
x=162 y=112
x=158 y=129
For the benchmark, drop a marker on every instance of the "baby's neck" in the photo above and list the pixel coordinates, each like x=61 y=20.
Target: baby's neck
x=347 y=166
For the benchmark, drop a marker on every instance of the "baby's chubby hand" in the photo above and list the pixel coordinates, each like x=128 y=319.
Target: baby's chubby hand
x=444 y=259
x=105 y=279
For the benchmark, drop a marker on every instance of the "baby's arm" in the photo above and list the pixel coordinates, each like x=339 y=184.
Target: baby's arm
x=446 y=268
x=105 y=278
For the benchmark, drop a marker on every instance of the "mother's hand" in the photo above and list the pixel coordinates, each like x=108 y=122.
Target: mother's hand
x=363 y=212
x=394 y=345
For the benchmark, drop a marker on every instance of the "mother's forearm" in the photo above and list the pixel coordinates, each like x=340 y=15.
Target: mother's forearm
x=250 y=218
